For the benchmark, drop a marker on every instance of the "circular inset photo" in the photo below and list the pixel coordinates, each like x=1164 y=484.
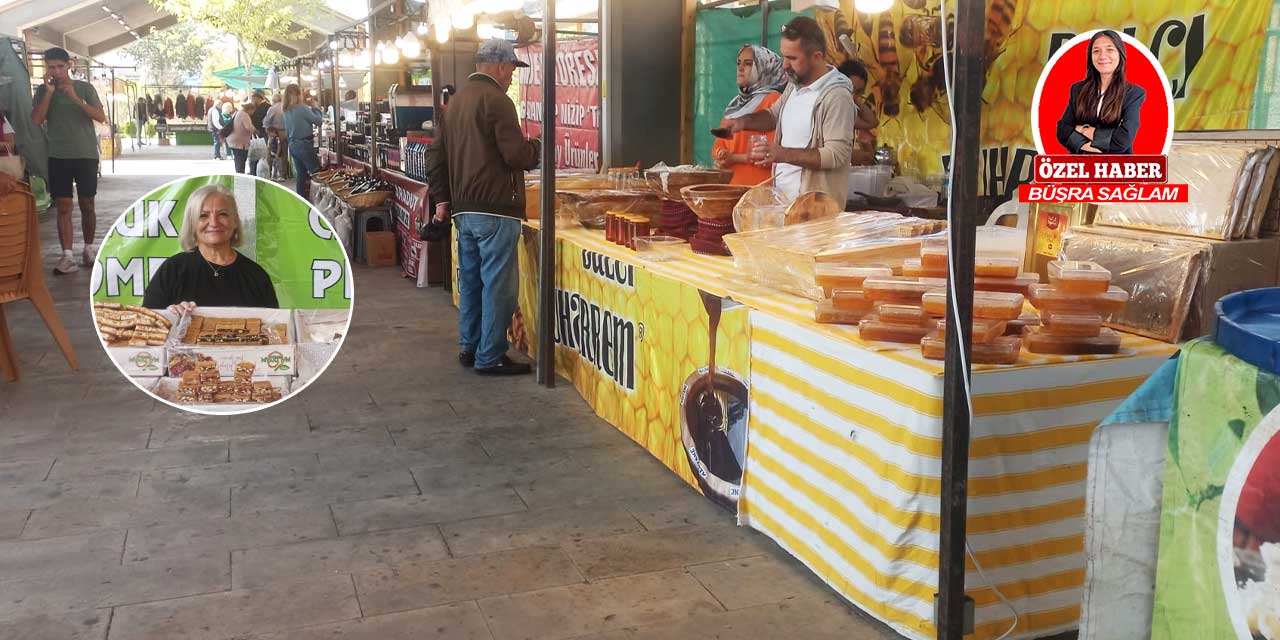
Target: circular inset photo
x=1249 y=535
x=222 y=293
x=1102 y=92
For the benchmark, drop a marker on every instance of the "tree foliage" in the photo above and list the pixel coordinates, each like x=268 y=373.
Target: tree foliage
x=167 y=55
x=254 y=24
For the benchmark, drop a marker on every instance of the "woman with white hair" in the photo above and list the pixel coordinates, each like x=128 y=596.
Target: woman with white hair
x=209 y=271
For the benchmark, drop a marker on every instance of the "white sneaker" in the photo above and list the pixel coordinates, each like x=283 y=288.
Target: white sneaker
x=90 y=254
x=65 y=265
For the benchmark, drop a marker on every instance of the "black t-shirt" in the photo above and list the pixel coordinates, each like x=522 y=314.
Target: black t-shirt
x=187 y=277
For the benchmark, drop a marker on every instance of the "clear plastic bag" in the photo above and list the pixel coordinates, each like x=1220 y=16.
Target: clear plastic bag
x=762 y=207
x=590 y=207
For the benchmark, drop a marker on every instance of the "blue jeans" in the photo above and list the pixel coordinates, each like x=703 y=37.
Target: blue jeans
x=305 y=163
x=487 y=283
x=217 y=145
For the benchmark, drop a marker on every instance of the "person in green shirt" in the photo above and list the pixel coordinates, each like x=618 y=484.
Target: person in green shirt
x=67 y=109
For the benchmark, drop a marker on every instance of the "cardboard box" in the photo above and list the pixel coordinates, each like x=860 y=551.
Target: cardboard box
x=273 y=359
x=167 y=388
x=139 y=362
x=1235 y=265
x=143 y=362
x=380 y=248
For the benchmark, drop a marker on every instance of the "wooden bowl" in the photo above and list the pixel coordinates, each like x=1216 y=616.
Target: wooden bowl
x=811 y=206
x=668 y=184
x=713 y=201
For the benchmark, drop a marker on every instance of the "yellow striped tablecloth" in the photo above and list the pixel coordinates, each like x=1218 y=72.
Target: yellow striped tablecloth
x=844 y=458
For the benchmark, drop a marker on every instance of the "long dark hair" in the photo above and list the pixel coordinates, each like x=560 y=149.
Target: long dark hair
x=1113 y=101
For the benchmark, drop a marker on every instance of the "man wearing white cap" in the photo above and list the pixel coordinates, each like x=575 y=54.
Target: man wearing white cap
x=476 y=170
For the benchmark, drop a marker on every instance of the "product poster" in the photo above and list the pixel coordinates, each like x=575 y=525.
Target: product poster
x=578 y=113
x=1218 y=575
x=1210 y=51
x=637 y=347
x=281 y=232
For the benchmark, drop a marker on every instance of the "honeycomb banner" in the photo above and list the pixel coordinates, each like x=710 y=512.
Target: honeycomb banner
x=636 y=346
x=1210 y=51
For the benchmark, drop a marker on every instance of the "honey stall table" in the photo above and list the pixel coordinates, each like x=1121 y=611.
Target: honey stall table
x=844 y=439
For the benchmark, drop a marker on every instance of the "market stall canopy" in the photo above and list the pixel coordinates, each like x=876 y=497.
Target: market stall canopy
x=91 y=28
x=241 y=78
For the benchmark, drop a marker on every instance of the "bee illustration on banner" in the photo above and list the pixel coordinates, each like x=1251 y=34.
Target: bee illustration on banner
x=1000 y=27
x=890 y=80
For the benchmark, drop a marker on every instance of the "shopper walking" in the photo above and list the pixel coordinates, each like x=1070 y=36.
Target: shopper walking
x=242 y=132
x=259 y=113
x=476 y=169
x=213 y=122
x=814 y=119
x=140 y=120
x=300 y=118
x=277 y=145
x=68 y=108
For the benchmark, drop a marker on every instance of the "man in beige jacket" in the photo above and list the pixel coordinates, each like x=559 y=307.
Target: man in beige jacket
x=814 y=119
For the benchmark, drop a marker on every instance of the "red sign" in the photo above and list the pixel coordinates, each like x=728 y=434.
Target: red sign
x=578 y=114
x=1097 y=193
x=1101 y=169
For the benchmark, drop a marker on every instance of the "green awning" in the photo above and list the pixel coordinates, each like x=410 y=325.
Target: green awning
x=239 y=78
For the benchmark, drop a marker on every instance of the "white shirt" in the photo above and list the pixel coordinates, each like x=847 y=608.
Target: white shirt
x=795 y=130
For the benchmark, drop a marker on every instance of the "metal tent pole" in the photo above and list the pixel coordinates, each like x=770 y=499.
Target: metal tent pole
x=111 y=120
x=547 y=233
x=967 y=76
x=764 y=23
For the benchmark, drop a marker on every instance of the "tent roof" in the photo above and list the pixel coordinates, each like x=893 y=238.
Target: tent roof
x=86 y=28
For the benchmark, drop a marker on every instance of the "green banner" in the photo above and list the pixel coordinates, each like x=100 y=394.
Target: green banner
x=280 y=231
x=720 y=35
x=1219 y=560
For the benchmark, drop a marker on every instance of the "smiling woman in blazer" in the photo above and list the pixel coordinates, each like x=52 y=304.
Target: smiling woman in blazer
x=1104 y=112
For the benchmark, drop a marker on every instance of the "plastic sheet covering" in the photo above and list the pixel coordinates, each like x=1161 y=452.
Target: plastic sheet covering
x=15 y=101
x=590 y=207
x=763 y=207
x=1160 y=273
x=1216 y=177
x=565 y=181
x=667 y=181
x=1124 y=489
x=784 y=258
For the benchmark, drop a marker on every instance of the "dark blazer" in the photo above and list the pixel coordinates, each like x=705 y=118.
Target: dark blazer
x=1116 y=138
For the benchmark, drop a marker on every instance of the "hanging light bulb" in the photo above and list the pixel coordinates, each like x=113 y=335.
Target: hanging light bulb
x=872 y=6
x=442 y=32
x=486 y=31
x=422 y=28
x=391 y=55
x=342 y=83
x=464 y=19
x=377 y=56
x=411 y=48
x=333 y=44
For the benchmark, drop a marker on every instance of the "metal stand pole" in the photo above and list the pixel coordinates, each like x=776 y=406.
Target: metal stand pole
x=764 y=23
x=967 y=100
x=547 y=238
x=337 y=104
x=111 y=120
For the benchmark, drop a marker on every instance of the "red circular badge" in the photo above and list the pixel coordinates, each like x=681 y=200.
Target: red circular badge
x=1067 y=66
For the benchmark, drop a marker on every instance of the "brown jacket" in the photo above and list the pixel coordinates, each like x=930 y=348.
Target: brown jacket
x=479 y=156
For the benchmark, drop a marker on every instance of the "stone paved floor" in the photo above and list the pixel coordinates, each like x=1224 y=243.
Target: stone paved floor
x=398 y=497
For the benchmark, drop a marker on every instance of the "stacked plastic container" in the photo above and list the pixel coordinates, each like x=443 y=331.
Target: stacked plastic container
x=1071 y=309
x=844 y=301
x=994 y=312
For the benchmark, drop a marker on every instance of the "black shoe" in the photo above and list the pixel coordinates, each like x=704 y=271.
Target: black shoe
x=507 y=367
x=467 y=359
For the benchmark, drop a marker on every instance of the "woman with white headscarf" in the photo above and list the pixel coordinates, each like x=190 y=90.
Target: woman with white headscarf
x=760 y=83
